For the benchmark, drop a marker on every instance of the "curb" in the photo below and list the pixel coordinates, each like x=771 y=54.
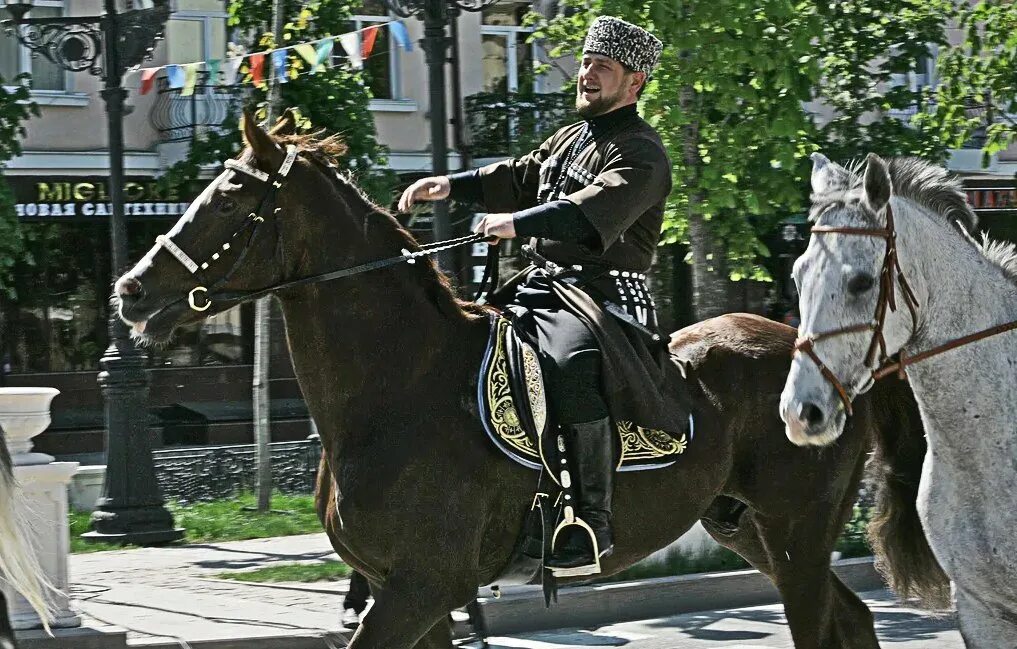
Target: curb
x=521 y=609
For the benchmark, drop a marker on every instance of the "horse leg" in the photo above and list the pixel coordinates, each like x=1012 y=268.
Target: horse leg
x=7 y=640
x=411 y=612
x=822 y=612
x=980 y=626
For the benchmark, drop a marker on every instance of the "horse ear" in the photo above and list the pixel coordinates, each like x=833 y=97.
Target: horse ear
x=827 y=176
x=266 y=151
x=287 y=124
x=877 y=183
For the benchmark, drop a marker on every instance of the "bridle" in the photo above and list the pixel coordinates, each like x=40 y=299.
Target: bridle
x=200 y=297
x=890 y=273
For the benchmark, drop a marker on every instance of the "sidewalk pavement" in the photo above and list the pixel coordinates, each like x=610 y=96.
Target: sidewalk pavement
x=168 y=594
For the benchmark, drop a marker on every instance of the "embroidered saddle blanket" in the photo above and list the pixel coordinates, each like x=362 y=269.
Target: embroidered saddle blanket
x=513 y=407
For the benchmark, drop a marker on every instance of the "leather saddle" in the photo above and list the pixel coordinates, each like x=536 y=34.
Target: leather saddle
x=513 y=407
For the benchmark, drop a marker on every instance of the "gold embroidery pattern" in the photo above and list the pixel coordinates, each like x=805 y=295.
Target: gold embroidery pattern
x=640 y=444
x=504 y=417
x=535 y=387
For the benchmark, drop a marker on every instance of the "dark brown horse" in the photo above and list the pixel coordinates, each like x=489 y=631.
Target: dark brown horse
x=413 y=493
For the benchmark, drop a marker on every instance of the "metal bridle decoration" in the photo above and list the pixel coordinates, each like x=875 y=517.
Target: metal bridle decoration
x=266 y=208
x=890 y=272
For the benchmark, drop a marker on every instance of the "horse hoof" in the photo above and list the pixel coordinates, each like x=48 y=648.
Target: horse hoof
x=350 y=619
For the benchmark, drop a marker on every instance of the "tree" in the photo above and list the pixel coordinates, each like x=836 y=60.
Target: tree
x=977 y=90
x=15 y=108
x=728 y=102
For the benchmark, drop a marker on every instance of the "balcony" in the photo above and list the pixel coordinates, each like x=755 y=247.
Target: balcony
x=182 y=119
x=511 y=124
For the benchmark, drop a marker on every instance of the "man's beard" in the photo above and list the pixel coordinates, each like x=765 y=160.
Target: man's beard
x=597 y=106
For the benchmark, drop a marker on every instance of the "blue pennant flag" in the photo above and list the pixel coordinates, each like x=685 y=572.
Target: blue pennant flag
x=279 y=64
x=401 y=36
x=175 y=76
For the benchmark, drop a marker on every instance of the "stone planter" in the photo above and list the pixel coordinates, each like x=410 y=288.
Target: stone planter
x=24 y=413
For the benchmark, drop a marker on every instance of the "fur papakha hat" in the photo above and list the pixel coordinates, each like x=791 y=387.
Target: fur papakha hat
x=629 y=44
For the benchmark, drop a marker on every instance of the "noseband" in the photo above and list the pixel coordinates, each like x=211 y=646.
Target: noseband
x=891 y=272
x=200 y=297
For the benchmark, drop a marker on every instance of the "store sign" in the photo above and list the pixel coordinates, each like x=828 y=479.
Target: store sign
x=66 y=198
x=992 y=198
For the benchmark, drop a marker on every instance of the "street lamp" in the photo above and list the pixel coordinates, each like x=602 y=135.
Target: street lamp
x=436 y=15
x=131 y=509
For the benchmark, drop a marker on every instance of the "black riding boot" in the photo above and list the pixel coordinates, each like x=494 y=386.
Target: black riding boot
x=593 y=450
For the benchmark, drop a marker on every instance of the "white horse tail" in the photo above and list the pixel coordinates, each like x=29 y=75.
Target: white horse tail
x=18 y=563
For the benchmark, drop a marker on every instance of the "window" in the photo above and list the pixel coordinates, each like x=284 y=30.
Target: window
x=509 y=59
x=196 y=36
x=381 y=68
x=15 y=59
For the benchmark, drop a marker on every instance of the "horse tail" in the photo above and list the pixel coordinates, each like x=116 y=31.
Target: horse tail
x=895 y=532
x=18 y=561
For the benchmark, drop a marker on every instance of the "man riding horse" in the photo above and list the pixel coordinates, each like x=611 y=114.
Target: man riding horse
x=592 y=198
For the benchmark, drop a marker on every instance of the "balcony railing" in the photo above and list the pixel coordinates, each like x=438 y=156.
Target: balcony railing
x=510 y=124
x=179 y=118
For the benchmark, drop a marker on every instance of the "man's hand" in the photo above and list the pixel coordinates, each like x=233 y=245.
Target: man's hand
x=497 y=226
x=433 y=188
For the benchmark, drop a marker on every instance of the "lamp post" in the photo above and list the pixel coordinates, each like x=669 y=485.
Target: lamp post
x=436 y=15
x=131 y=509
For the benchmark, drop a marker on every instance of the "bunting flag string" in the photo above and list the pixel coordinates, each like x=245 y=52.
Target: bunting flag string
x=357 y=45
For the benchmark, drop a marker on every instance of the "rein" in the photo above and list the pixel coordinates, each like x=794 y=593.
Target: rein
x=200 y=297
x=890 y=272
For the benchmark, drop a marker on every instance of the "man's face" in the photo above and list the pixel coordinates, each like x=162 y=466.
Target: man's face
x=604 y=85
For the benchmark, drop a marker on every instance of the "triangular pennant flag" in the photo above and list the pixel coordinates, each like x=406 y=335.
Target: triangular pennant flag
x=351 y=43
x=190 y=79
x=367 y=45
x=401 y=36
x=212 y=65
x=148 y=79
x=232 y=67
x=324 y=54
x=257 y=68
x=175 y=76
x=279 y=64
x=308 y=53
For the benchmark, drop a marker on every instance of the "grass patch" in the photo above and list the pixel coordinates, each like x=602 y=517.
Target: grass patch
x=223 y=520
x=303 y=572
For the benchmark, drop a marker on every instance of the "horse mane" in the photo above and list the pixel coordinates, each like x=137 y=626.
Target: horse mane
x=326 y=152
x=933 y=188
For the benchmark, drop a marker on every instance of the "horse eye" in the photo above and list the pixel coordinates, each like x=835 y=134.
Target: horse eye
x=861 y=283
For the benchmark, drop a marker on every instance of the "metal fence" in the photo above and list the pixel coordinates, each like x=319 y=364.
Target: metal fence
x=180 y=117
x=213 y=472
x=502 y=124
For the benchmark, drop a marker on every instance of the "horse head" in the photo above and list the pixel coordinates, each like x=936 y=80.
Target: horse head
x=249 y=230
x=850 y=285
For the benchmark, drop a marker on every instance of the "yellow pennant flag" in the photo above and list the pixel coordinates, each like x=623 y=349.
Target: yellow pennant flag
x=190 y=79
x=307 y=51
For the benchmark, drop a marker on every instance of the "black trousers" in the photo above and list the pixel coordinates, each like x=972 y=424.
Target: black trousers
x=570 y=354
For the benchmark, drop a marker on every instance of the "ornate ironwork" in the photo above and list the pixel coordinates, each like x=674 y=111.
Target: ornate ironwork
x=179 y=118
x=408 y=8
x=214 y=472
x=502 y=124
x=78 y=43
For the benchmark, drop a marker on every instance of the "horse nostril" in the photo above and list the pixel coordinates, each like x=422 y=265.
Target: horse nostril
x=811 y=414
x=128 y=286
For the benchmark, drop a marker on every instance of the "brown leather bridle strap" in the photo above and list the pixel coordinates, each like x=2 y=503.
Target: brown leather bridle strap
x=900 y=366
x=807 y=347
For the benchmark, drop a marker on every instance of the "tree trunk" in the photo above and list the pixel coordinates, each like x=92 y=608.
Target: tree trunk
x=262 y=311
x=710 y=281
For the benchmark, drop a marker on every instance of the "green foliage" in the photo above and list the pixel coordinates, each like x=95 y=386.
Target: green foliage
x=728 y=99
x=15 y=108
x=224 y=520
x=977 y=91
x=334 y=99
x=328 y=570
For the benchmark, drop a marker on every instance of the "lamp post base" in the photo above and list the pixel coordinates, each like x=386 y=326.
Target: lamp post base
x=155 y=537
